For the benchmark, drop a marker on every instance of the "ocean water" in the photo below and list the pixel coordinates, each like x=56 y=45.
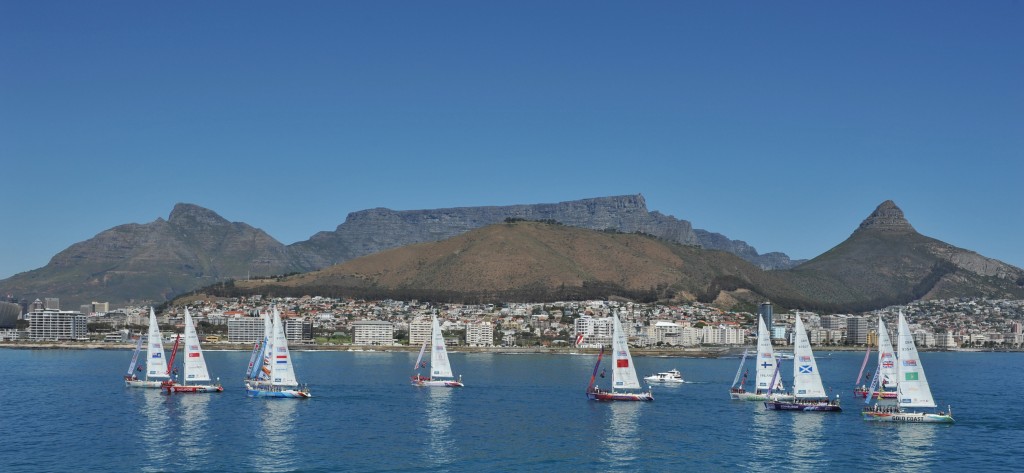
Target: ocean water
x=67 y=410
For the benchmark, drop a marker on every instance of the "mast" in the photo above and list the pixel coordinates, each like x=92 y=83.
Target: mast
x=597 y=365
x=739 y=369
x=170 y=362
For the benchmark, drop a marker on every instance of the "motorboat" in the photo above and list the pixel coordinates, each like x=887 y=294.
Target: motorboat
x=670 y=376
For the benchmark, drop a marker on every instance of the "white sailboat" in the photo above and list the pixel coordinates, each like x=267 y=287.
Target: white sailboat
x=623 y=371
x=913 y=391
x=767 y=381
x=281 y=380
x=196 y=377
x=808 y=392
x=440 y=367
x=156 y=365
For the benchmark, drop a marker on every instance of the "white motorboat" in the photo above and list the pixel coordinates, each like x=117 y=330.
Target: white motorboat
x=670 y=376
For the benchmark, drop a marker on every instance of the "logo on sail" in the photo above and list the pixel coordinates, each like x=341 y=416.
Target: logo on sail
x=806 y=369
x=909 y=362
x=623 y=363
x=805 y=359
x=887 y=364
x=911 y=377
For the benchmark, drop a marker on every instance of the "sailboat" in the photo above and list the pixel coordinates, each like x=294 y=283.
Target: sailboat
x=885 y=372
x=280 y=381
x=808 y=393
x=737 y=387
x=196 y=377
x=440 y=368
x=156 y=365
x=766 y=373
x=623 y=371
x=911 y=386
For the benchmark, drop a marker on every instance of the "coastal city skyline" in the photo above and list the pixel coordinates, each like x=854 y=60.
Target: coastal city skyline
x=779 y=125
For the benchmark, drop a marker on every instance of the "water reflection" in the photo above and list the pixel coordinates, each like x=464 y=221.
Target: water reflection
x=910 y=446
x=193 y=442
x=439 y=422
x=155 y=431
x=806 y=441
x=764 y=431
x=275 y=439
x=622 y=439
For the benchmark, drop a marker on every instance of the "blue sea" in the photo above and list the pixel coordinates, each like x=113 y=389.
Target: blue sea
x=67 y=410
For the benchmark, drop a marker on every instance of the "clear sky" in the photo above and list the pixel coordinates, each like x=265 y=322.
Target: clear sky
x=783 y=124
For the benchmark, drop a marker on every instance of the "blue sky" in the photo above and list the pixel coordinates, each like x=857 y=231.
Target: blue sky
x=780 y=124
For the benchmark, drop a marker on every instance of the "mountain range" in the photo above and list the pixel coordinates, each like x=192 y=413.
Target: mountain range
x=568 y=256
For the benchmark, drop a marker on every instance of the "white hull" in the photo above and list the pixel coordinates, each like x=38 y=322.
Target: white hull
x=438 y=384
x=141 y=383
x=670 y=377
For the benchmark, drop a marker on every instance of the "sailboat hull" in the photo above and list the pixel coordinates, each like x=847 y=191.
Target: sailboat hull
x=437 y=383
x=614 y=396
x=802 y=406
x=195 y=388
x=863 y=393
x=141 y=383
x=272 y=391
x=908 y=417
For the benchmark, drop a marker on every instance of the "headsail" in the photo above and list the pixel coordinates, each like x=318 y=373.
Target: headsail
x=913 y=385
x=135 y=357
x=623 y=371
x=740 y=369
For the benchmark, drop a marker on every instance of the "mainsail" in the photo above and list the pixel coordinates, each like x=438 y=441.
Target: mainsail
x=806 y=378
x=195 y=363
x=156 y=364
x=440 y=367
x=282 y=373
x=913 y=385
x=886 y=358
x=765 y=360
x=623 y=371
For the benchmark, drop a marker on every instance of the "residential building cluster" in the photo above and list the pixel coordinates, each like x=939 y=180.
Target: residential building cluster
x=938 y=324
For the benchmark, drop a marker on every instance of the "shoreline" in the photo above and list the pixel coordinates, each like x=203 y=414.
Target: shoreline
x=699 y=352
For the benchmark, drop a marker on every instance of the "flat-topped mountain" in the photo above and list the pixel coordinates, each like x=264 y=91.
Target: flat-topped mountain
x=369 y=231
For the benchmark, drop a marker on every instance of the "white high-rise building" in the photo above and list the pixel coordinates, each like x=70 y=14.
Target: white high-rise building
x=479 y=334
x=419 y=331
x=52 y=325
x=373 y=332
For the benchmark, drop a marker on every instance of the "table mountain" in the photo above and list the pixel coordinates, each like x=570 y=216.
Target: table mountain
x=369 y=231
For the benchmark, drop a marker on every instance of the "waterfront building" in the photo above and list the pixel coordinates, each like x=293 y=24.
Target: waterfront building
x=373 y=332
x=419 y=331
x=832 y=322
x=51 y=303
x=245 y=330
x=665 y=333
x=945 y=340
x=595 y=331
x=479 y=334
x=715 y=335
x=53 y=325
x=857 y=330
x=298 y=330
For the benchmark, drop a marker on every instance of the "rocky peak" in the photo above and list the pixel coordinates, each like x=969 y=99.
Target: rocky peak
x=887 y=216
x=190 y=214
